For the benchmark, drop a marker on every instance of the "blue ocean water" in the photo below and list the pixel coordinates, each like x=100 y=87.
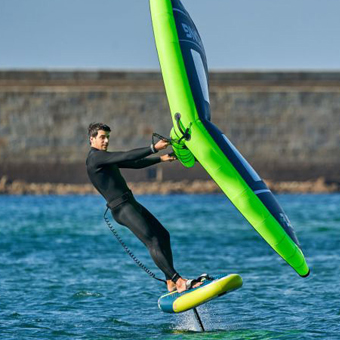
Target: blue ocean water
x=64 y=276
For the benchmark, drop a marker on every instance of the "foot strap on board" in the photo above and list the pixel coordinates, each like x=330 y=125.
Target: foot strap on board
x=204 y=277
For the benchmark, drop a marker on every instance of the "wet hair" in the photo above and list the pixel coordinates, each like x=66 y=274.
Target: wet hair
x=95 y=127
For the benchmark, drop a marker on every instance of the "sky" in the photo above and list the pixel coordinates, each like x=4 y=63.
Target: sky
x=117 y=34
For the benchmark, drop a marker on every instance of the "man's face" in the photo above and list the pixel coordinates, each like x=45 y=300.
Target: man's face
x=101 y=141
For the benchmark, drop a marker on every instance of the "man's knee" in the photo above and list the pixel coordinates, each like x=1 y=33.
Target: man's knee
x=161 y=238
x=166 y=235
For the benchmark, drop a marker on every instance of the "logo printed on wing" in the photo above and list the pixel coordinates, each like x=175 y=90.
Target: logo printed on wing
x=285 y=221
x=191 y=33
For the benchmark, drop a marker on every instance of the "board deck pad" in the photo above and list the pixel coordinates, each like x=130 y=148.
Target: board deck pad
x=175 y=302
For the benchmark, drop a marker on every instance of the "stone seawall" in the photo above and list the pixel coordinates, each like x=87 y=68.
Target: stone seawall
x=286 y=124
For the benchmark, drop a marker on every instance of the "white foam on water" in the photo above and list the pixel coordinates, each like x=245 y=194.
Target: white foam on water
x=187 y=321
x=211 y=321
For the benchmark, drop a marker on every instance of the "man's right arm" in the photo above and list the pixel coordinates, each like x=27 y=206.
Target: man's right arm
x=105 y=157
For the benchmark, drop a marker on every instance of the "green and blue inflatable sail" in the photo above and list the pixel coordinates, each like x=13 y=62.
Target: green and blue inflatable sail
x=185 y=73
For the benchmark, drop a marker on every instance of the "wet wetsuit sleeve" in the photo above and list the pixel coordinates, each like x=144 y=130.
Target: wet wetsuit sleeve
x=105 y=157
x=139 y=164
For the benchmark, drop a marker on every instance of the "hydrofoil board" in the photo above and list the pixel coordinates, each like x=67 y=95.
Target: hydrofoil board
x=211 y=288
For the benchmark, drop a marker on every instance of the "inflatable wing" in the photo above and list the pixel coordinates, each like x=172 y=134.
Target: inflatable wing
x=185 y=73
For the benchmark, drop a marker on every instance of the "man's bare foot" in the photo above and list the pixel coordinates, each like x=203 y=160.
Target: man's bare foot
x=181 y=285
x=171 y=286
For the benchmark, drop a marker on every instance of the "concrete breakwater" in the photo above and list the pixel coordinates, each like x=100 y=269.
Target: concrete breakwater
x=163 y=188
x=286 y=124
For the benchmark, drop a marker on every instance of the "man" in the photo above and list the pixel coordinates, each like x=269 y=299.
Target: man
x=103 y=170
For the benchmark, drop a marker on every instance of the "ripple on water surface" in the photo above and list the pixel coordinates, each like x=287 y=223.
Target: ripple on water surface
x=64 y=276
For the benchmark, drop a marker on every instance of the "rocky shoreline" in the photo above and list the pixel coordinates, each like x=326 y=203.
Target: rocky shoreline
x=166 y=187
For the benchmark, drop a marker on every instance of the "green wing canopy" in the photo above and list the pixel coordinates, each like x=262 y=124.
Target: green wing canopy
x=185 y=73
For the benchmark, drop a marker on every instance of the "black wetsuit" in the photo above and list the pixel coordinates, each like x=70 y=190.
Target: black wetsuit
x=103 y=170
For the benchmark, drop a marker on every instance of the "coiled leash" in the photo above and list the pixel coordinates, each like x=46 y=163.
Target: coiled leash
x=128 y=251
x=114 y=231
